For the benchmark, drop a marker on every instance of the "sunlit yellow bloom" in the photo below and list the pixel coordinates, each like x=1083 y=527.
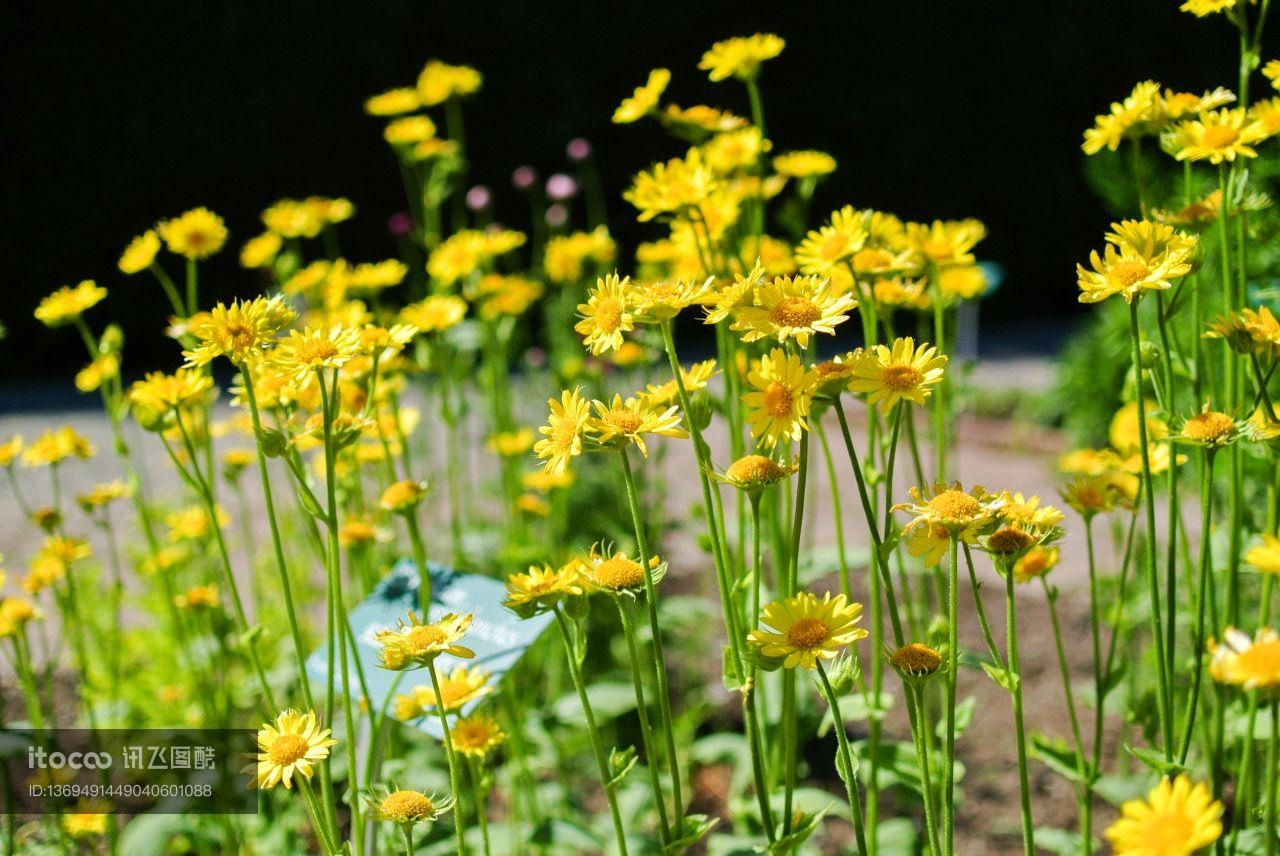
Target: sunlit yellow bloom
x=1136 y=115
x=562 y=435
x=462 y=253
x=192 y=523
x=950 y=507
x=498 y=295
x=477 y=735
x=1271 y=71
x=793 y=308
x=699 y=120
x=663 y=300
x=198 y=597
x=946 y=242
x=416 y=644
x=15 y=614
x=240 y=332
x=607 y=314
x=735 y=150
x=440 y=81
x=67 y=304
x=1035 y=563
x=508 y=444
x=834 y=243
x=195 y=234
x=1124 y=428
x=102 y=495
x=160 y=393
x=140 y=253
x=260 y=251
x=739 y=295
x=10 y=450
x=403 y=496
x=291 y=745
x=292 y=218
x=1248 y=331
x=754 y=473
x=393 y=102
x=695 y=377
x=804 y=164
x=802 y=630
x=782 y=393
x=458 y=688
x=1128 y=273
x=1211 y=429
x=1177 y=818
x=1247 y=663
x=1196 y=216
x=542 y=588
x=104 y=368
x=1217 y=136
x=435 y=313
x=316 y=349
x=54 y=446
x=1201 y=8
x=545 y=482
x=1264 y=557
x=1090 y=494
x=620 y=423
x=407 y=808
x=1178 y=105
x=740 y=57
x=672 y=187
x=904 y=371
x=929 y=543
x=1266 y=113
x=408 y=130
x=916 y=660
x=645 y=99
x=612 y=572
x=565 y=256
x=963 y=282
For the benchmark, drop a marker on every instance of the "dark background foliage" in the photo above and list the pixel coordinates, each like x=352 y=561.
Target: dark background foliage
x=120 y=114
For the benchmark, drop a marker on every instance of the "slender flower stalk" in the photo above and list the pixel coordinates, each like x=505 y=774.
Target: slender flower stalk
x=848 y=764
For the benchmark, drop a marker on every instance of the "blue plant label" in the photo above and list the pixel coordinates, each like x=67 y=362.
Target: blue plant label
x=498 y=637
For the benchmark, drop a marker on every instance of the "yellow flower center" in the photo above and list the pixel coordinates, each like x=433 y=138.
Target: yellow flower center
x=795 y=312
x=1209 y=427
x=900 y=378
x=1219 y=136
x=754 y=471
x=778 y=399
x=808 y=633
x=1009 y=539
x=619 y=572
x=955 y=505
x=623 y=421
x=1261 y=662
x=916 y=659
x=239 y=335
x=287 y=749
x=1128 y=273
x=422 y=637
x=315 y=351
x=608 y=315
x=407 y=805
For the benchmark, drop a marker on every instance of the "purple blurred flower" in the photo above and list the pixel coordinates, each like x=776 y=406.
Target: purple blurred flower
x=578 y=150
x=400 y=224
x=561 y=187
x=479 y=198
x=557 y=215
x=524 y=177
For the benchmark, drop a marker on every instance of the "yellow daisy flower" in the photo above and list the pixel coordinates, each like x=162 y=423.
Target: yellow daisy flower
x=929 y=543
x=440 y=82
x=242 y=331
x=950 y=507
x=1202 y=8
x=291 y=745
x=732 y=298
x=946 y=242
x=663 y=300
x=621 y=422
x=607 y=314
x=565 y=256
x=160 y=393
x=1128 y=273
x=1035 y=563
x=477 y=735
x=802 y=630
x=67 y=304
x=699 y=120
x=457 y=689
x=106 y=367
x=1178 y=105
x=416 y=644
x=406 y=808
x=1266 y=113
x=15 y=614
x=645 y=99
x=782 y=394
x=740 y=57
x=541 y=588
x=562 y=435
x=804 y=164
x=1137 y=114
x=260 y=251
x=695 y=377
x=316 y=349
x=409 y=130
x=1217 y=136
x=195 y=234
x=508 y=444
x=435 y=313
x=10 y=450
x=821 y=250
x=672 y=187
x=916 y=660
x=140 y=253
x=754 y=473
x=904 y=371
x=1271 y=71
x=55 y=446
x=793 y=308
x=393 y=102
x=1247 y=663
x=1177 y=818
x=1264 y=557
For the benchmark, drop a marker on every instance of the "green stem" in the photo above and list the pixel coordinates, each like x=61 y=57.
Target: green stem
x=749 y=697
x=1024 y=783
x=850 y=776
x=455 y=783
x=642 y=710
x=953 y=666
x=1203 y=574
x=473 y=770
x=917 y=712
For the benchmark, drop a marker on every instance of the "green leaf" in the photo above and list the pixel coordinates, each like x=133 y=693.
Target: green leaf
x=621 y=762
x=151 y=834
x=1002 y=677
x=896 y=835
x=608 y=699
x=1058 y=841
x=1155 y=760
x=860 y=706
x=964 y=718
x=1059 y=757
x=693 y=828
x=848 y=769
x=720 y=748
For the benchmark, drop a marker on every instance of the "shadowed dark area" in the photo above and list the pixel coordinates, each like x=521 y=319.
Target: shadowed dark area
x=118 y=117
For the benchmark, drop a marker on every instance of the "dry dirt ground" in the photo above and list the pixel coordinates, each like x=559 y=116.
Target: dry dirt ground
x=995 y=454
